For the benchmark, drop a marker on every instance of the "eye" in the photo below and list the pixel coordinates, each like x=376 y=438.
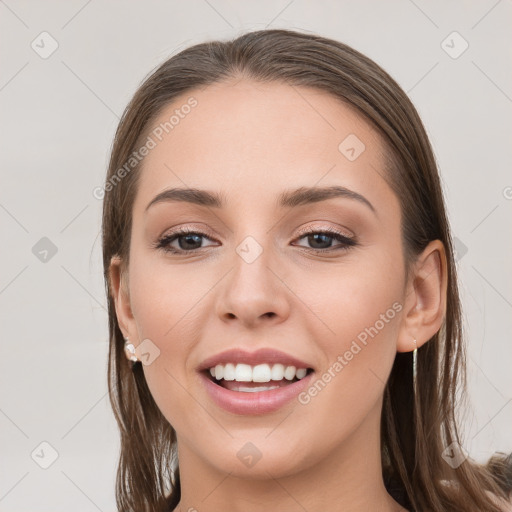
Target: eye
x=321 y=241
x=188 y=241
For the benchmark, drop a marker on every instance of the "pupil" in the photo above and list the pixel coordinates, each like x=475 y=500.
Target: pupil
x=314 y=239
x=188 y=237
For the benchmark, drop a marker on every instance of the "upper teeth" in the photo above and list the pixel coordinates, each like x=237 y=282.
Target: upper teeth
x=259 y=373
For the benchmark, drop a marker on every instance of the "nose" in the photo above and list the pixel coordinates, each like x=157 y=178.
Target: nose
x=253 y=292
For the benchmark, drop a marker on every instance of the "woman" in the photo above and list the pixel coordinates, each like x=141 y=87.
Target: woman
x=285 y=324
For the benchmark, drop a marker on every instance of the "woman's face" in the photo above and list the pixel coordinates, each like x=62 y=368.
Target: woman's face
x=251 y=278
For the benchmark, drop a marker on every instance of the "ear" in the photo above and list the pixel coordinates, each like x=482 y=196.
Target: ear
x=425 y=298
x=119 y=289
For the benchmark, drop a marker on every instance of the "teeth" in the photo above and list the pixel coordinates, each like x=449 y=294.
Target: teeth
x=229 y=372
x=245 y=389
x=243 y=373
x=277 y=372
x=259 y=373
x=289 y=373
x=301 y=373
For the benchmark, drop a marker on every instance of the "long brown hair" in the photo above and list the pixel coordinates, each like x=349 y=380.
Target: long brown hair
x=415 y=428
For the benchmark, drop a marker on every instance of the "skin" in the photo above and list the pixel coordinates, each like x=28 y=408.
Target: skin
x=251 y=141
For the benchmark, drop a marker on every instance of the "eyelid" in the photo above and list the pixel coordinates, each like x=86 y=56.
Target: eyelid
x=330 y=229
x=180 y=230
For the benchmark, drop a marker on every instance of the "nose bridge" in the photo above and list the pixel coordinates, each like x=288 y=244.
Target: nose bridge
x=253 y=291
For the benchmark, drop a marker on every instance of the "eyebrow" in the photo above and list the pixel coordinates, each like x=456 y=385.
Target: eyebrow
x=287 y=199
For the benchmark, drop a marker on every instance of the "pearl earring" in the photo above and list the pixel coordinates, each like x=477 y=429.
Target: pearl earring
x=129 y=350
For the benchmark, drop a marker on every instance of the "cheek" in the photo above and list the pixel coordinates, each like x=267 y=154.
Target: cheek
x=165 y=299
x=165 y=303
x=350 y=297
x=362 y=309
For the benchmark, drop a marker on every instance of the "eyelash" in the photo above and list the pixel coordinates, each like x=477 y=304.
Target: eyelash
x=347 y=243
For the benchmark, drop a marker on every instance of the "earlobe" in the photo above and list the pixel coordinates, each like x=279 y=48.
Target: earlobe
x=425 y=301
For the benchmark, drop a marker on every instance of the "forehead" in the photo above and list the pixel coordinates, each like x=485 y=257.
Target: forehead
x=246 y=137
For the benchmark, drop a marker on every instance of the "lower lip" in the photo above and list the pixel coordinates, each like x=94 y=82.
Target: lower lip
x=258 y=402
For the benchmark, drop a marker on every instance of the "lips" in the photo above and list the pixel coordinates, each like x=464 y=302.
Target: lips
x=248 y=398
x=254 y=403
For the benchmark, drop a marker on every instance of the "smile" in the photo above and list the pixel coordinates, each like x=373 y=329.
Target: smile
x=240 y=372
x=249 y=398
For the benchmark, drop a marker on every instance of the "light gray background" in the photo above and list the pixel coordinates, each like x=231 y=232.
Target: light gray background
x=58 y=116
